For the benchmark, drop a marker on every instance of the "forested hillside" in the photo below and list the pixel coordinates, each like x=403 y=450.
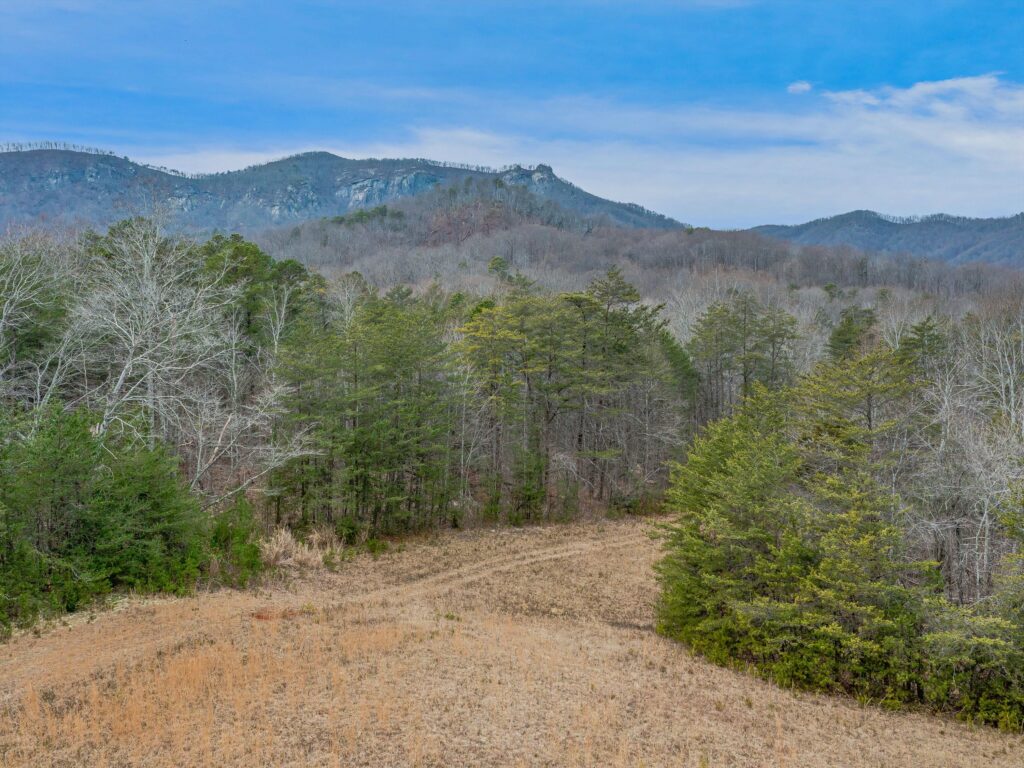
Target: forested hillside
x=846 y=431
x=450 y=235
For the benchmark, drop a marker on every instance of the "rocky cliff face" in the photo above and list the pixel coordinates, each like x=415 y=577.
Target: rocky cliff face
x=77 y=188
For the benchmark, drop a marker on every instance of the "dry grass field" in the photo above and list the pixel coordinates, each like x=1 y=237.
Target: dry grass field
x=529 y=647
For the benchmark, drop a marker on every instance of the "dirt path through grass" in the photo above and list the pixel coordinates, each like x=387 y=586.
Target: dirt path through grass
x=487 y=648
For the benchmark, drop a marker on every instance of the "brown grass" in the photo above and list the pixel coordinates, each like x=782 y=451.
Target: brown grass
x=510 y=648
x=282 y=550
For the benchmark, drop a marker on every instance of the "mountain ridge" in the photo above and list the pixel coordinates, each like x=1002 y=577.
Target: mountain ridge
x=66 y=185
x=941 y=236
x=74 y=187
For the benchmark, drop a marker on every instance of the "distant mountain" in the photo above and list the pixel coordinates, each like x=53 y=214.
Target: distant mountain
x=61 y=186
x=955 y=239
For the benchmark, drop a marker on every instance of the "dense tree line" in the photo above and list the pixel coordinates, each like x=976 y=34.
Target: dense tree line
x=139 y=366
x=860 y=529
x=522 y=405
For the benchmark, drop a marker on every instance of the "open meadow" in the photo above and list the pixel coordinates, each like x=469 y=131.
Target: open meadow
x=514 y=647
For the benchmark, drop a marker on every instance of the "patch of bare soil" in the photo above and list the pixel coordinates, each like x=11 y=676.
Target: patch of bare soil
x=529 y=647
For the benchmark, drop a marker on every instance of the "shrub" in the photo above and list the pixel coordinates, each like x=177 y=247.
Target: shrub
x=81 y=515
x=348 y=530
x=974 y=666
x=235 y=546
x=376 y=547
x=282 y=550
x=279 y=548
x=144 y=530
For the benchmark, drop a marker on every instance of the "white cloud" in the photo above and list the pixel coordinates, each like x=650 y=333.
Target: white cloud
x=800 y=86
x=954 y=146
x=214 y=159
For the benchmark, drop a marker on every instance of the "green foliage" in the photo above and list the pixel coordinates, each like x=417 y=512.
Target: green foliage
x=142 y=528
x=738 y=344
x=423 y=408
x=846 y=407
x=545 y=362
x=235 y=557
x=974 y=666
x=733 y=523
x=347 y=529
x=851 y=334
x=81 y=515
x=24 y=573
x=378 y=214
x=786 y=556
x=682 y=374
x=498 y=267
x=925 y=346
x=376 y=547
x=261 y=282
x=376 y=385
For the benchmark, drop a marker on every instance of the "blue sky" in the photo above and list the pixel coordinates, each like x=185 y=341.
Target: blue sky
x=718 y=112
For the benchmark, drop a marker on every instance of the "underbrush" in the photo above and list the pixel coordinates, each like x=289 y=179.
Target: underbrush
x=320 y=549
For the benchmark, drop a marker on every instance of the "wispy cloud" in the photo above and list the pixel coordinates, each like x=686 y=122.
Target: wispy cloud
x=952 y=145
x=800 y=86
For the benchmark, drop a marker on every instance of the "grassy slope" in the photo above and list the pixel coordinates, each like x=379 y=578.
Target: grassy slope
x=511 y=647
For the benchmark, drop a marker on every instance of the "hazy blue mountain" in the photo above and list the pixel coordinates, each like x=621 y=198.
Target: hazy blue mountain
x=59 y=186
x=954 y=239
